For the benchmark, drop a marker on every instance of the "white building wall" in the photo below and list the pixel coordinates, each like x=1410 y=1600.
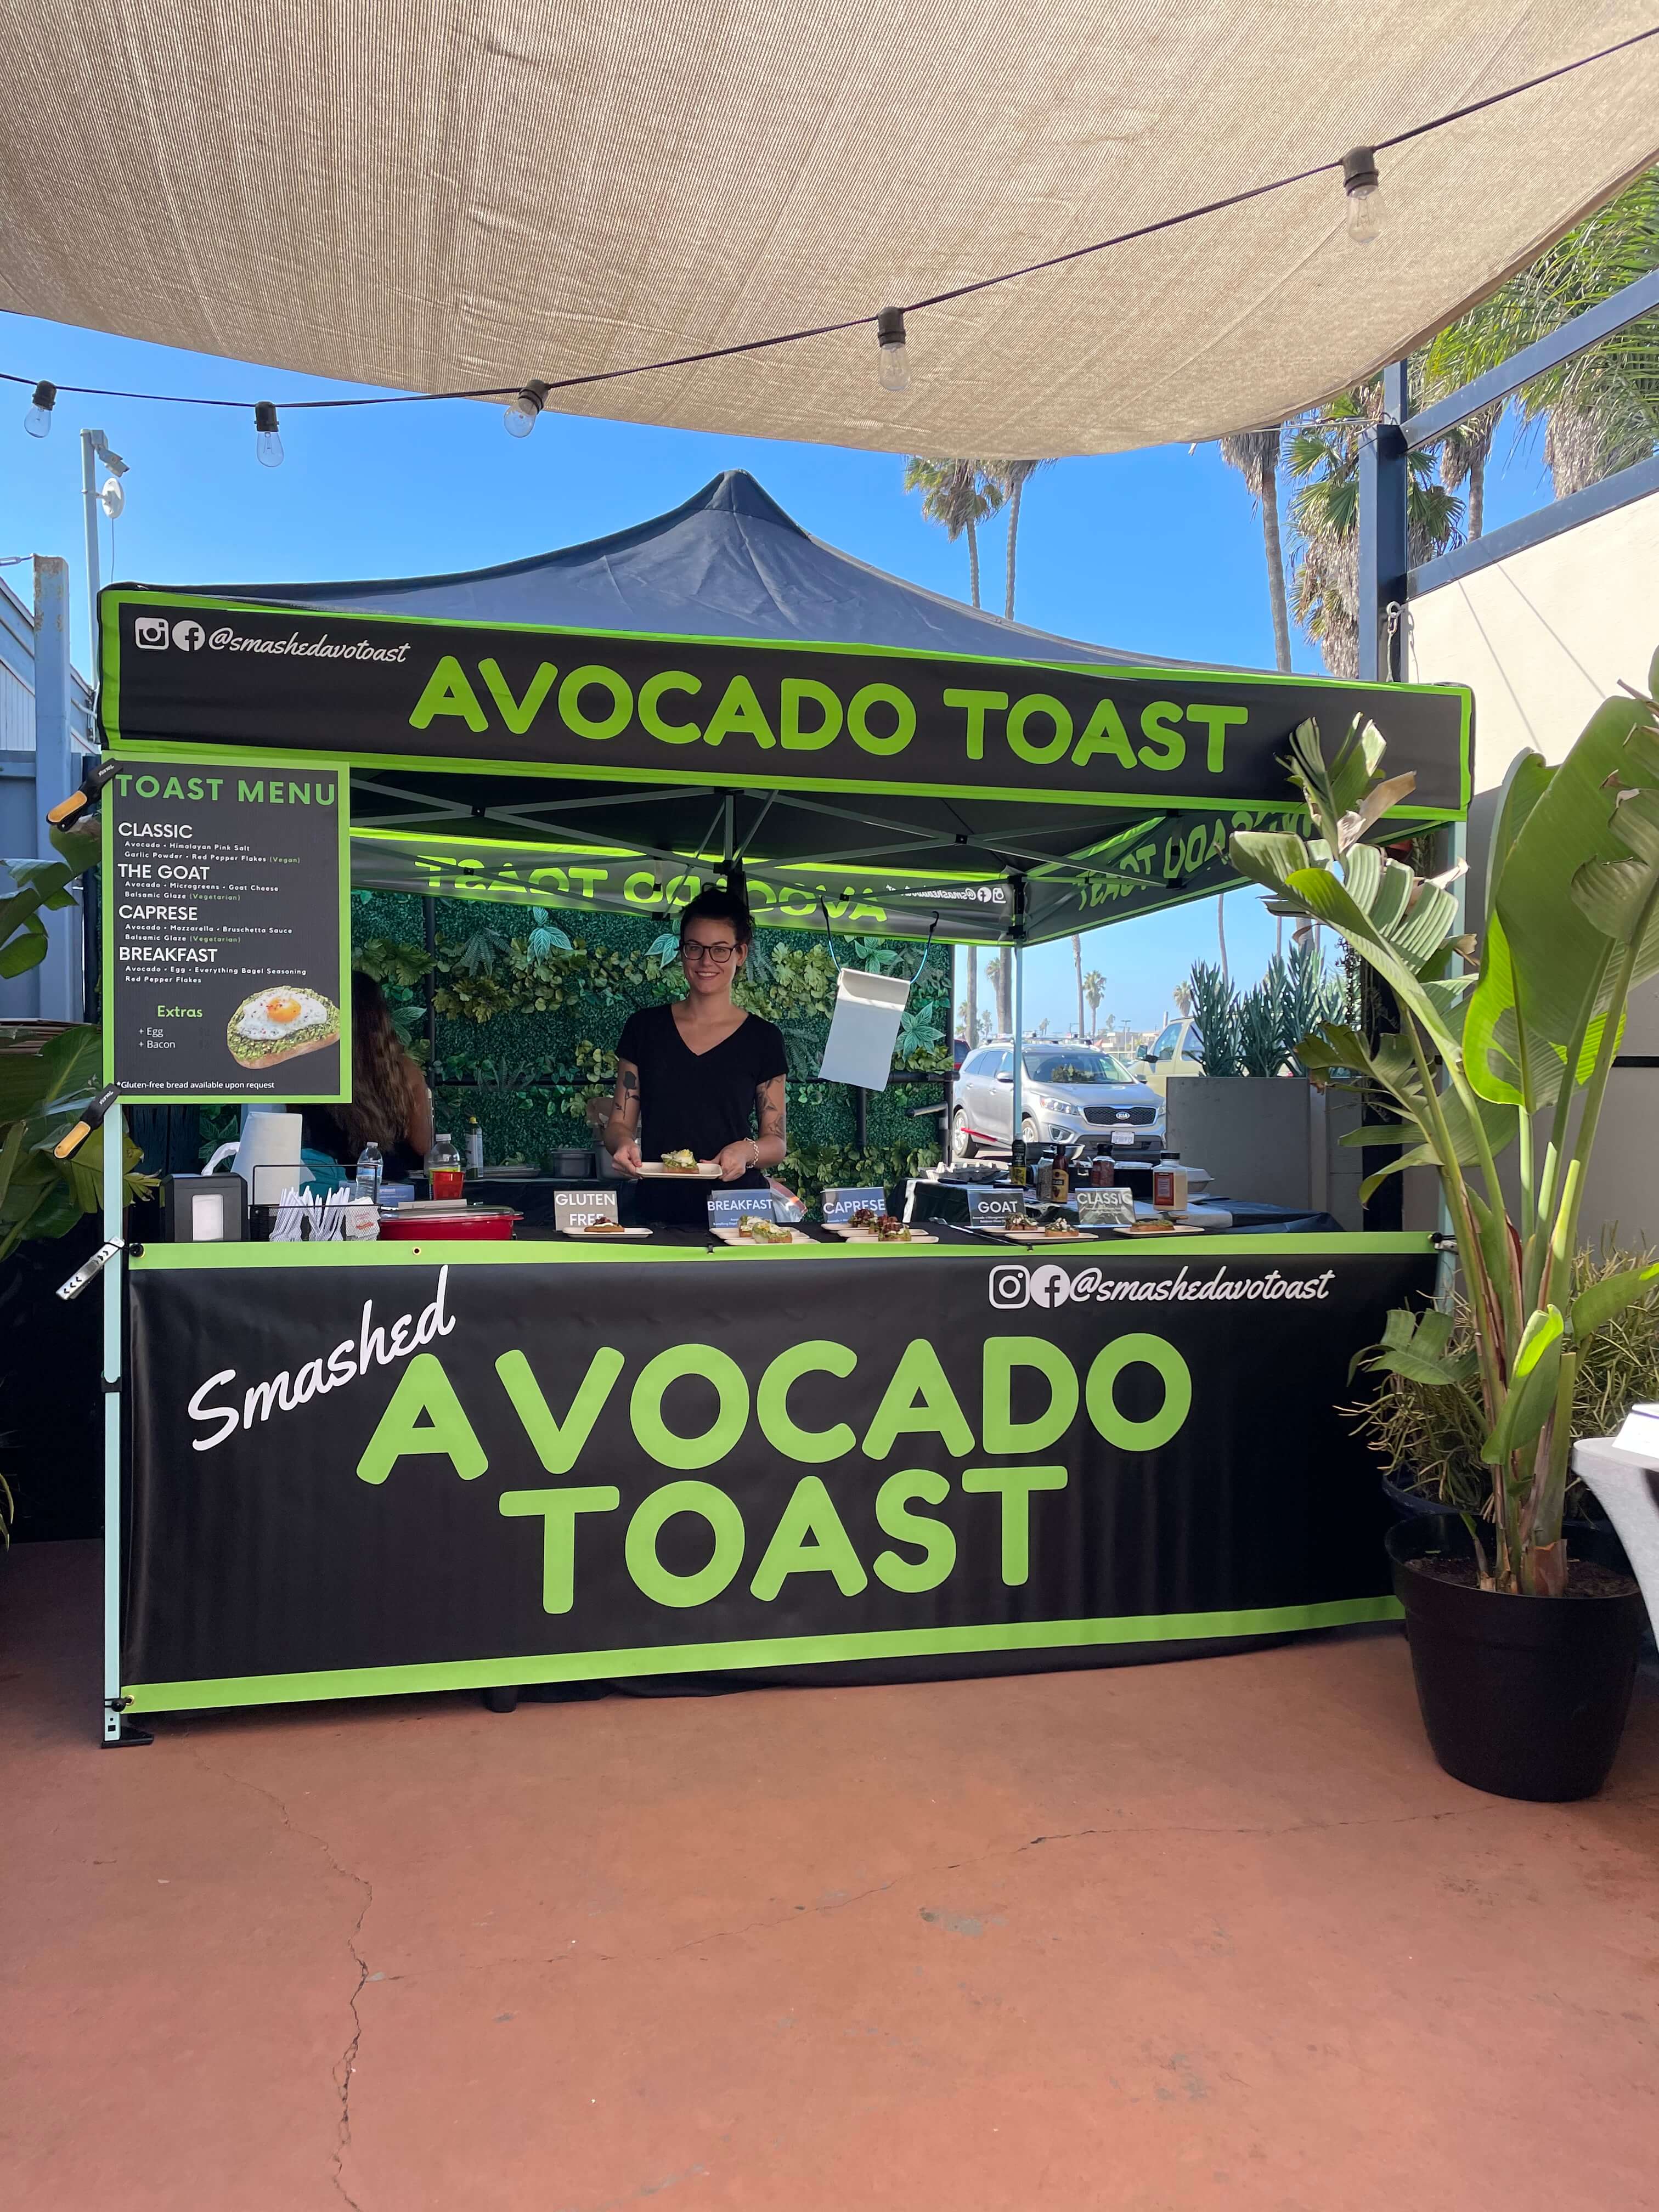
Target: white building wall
x=1544 y=636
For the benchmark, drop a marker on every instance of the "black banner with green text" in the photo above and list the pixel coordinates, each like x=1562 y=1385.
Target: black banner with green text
x=218 y=673
x=351 y=1478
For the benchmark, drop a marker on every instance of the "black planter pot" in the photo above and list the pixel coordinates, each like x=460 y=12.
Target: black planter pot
x=1525 y=1696
x=1413 y=1501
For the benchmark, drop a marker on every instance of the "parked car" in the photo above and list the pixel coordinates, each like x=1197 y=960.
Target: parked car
x=1176 y=1050
x=1073 y=1092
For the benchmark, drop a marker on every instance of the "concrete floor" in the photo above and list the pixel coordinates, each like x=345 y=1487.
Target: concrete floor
x=1215 y=1935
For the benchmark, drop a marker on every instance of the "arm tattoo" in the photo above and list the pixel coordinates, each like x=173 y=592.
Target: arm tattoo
x=769 y=1106
x=625 y=1100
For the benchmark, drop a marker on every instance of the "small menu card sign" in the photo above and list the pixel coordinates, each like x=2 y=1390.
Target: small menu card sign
x=573 y=1210
x=1113 y=1207
x=841 y=1204
x=995 y=1209
x=728 y=1208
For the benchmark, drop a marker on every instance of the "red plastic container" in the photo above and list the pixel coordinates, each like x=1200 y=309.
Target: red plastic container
x=478 y=1223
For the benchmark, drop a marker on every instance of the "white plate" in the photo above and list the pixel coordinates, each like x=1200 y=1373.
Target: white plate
x=705 y=1171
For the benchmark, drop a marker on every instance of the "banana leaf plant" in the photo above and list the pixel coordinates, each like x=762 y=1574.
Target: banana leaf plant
x=1507 y=1037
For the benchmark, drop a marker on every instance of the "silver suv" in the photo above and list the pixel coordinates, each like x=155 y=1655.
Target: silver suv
x=1074 y=1093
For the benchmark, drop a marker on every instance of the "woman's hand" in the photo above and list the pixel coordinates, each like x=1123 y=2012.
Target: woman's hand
x=627 y=1158
x=735 y=1160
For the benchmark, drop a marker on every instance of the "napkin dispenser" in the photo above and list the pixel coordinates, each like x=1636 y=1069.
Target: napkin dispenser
x=204 y=1209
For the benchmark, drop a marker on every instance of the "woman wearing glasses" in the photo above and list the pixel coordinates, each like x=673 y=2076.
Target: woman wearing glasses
x=701 y=1075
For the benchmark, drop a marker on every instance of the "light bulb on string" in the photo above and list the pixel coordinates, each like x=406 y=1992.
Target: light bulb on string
x=267 y=439
x=893 y=366
x=520 y=416
x=37 y=420
x=1364 y=187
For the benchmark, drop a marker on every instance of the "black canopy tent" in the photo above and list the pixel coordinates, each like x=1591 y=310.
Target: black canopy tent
x=605 y=724
x=608 y=725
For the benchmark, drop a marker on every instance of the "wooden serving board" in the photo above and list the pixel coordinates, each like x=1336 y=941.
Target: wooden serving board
x=733 y=1237
x=1040 y=1236
x=601 y=1236
x=869 y=1236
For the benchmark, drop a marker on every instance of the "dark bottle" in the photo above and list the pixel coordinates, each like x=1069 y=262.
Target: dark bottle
x=1059 y=1178
x=1018 y=1173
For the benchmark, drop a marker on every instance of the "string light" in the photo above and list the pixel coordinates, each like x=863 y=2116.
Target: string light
x=267 y=439
x=894 y=368
x=1363 y=185
x=520 y=416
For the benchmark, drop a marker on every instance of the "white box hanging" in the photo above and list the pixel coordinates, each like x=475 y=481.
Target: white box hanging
x=865 y=1029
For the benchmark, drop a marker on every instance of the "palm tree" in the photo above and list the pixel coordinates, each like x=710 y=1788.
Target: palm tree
x=958 y=495
x=1599 y=409
x=1077 y=958
x=1012 y=477
x=1255 y=454
x=999 y=971
x=1094 y=989
x=1463 y=460
x=1323 y=456
x=1182 y=995
x=970 y=1005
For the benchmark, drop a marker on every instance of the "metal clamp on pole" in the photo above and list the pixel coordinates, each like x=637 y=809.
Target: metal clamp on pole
x=72 y=1140
x=89 y=1272
x=94 y=777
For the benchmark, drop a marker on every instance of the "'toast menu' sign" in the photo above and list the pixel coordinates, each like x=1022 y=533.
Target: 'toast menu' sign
x=226 y=942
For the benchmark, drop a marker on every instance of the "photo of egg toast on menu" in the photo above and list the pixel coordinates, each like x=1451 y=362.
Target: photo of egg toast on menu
x=282 y=1022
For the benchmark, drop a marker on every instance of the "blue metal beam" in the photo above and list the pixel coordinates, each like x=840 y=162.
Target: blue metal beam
x=1384 y=479
x=1628 y=305
x=1640 y=480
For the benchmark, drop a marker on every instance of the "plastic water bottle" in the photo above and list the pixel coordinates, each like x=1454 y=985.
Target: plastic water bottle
x=370 y=1168
x=474 y=1147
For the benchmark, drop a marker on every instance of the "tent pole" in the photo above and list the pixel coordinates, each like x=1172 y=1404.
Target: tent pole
x=1016 y=1100
x=429 y=917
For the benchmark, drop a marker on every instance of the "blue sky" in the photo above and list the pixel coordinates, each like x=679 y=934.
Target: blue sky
x=1159 y=552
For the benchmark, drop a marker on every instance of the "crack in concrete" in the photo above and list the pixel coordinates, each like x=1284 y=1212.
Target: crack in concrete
x=346 y=2064
x=783 y=1920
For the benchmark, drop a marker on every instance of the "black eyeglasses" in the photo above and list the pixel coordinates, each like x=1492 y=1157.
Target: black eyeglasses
x=694 y=955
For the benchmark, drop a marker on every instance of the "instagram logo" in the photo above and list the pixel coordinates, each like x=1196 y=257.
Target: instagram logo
x=1010 y=1287
x=150 y=631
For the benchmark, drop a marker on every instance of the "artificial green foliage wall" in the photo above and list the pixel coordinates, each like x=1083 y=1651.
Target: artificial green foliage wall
x=523 y=995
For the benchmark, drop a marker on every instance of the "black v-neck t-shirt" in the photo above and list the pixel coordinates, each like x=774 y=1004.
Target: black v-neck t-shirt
x=698 y=1102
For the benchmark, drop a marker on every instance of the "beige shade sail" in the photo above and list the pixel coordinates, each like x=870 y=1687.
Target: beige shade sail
x=432 y=195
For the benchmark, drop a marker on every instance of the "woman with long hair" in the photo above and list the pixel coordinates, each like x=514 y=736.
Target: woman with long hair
x=390 y=1104
x=700 y=1075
